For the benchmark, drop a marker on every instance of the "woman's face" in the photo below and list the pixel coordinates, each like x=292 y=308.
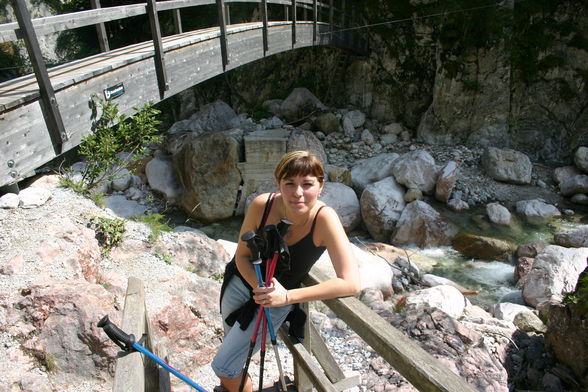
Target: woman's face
x=300 y=193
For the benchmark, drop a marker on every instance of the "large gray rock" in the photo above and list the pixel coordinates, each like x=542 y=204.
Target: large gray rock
x=194 y=252
x=419 y=224
x=563 y=172
x=554 y=274
x=33 y=197
x=577 y=238
x=306 y=140
x=213 y=117
x=123 y=207
x=507 y=166
x=536 y=212
x=299 y=105
x=9 y=200
x=162 y=178
x=327 y=123
x=581 y=159
x=416 y=169
x=343 y=200
x=357 y=118
x=62 y=316
x=207 y=168
x=446 y=181
x=381 y=205
x=367 y=171
x=482 y=247
x=498 y=214
x=444 y=297
x=574 y=185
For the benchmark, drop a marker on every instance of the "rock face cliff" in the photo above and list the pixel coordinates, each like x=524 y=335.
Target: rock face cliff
x=455 y=72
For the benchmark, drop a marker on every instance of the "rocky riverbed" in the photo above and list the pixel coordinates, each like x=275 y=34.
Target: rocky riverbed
x=57 y=280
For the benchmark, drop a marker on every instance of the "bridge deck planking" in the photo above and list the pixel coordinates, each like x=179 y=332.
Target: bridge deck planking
x=190 y=58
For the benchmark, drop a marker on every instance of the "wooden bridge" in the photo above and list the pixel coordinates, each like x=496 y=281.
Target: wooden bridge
x=45 y=114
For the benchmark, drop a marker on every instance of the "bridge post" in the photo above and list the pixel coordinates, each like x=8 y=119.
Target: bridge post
x=177 y=21
x=293 y=23
x=314 y=19
x=158 y=47
x=265 y=25
x=49 y=105
x=331 y=18
x=220 y=4
x=101 y=29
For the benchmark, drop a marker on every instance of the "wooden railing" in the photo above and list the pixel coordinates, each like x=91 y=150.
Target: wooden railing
x=422 y=370
x=133 y=372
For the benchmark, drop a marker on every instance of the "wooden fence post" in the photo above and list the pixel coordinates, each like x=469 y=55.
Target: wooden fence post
x=49 y=104
x=158 y=47
x=101 y=30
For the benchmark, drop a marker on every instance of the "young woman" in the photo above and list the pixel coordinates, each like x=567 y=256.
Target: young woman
x=315 y=228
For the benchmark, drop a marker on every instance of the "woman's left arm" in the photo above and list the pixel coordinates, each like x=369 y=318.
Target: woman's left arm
x=329 y=232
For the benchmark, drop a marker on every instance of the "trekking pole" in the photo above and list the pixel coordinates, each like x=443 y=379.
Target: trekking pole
x=250 y=237
x=277 y=233
x=127 y=343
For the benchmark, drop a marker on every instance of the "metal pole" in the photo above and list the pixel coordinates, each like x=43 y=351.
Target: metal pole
x=101 y=30
x=49 y=104
x=158 y=47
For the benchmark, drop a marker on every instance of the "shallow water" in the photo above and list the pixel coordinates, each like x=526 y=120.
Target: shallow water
x=492 y=279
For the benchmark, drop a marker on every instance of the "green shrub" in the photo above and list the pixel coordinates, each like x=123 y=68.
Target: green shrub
x=580 y=294
x=155 y=223
x=114 y=133
x=109 y=232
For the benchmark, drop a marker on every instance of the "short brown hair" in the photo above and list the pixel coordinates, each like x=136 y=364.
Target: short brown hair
x=299 y=163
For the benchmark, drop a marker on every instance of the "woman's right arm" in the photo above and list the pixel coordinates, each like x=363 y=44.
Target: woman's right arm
x=243 y=254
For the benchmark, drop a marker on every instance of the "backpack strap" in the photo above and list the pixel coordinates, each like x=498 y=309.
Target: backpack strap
x=266 y=211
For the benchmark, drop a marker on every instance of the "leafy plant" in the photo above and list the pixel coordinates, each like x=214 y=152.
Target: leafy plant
x=109 y=232
x=155 y=223
x=580 y=295
x=114 y=133
x=166 y=258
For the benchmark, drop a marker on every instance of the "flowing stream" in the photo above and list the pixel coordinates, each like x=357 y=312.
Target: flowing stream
x=491 y=278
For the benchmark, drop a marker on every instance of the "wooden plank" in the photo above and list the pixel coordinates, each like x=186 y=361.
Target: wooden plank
x=129 y=375
x=306 y=361
x=324 y=356
x=420 y=368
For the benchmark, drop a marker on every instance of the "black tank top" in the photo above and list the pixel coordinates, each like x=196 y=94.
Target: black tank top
x=303 y=255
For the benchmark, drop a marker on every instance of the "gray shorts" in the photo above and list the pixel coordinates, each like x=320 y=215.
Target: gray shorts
x=230 y=357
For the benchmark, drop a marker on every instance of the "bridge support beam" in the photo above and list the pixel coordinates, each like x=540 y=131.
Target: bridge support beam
x=49 y=105
x=222 y=23
x=293 y=23
x=265 y=25
x=101 y=29
x=158 y=47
